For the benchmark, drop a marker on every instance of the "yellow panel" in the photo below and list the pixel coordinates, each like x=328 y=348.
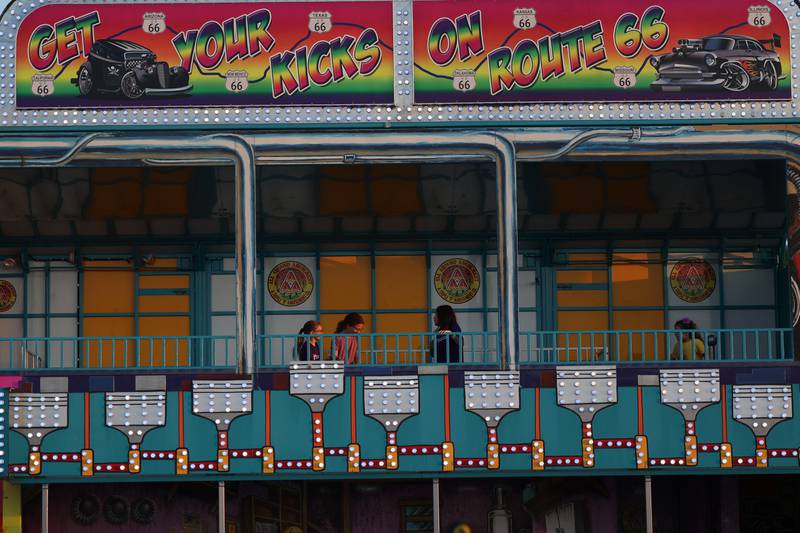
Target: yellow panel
x=116 y=193
x=582 y=298
x=638 y=284
x=395 y=190
x=163 y=352
x=631 y=345
x=345 y=282
x=403 y=348
x=401 y=282
x=107 y=290
x=12 y=508
x=582 y=346
x=164 y=304
x=343 y=190
x=164 y=282
x=165 y=193
x=109 y=353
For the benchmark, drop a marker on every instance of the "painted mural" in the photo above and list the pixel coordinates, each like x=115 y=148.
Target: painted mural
x=96 y=55
x=321 y=419
x=509 y=51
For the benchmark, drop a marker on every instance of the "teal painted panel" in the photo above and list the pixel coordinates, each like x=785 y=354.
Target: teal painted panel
x=420 y=437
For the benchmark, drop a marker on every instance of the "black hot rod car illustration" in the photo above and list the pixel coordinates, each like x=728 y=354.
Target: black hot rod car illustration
x=732 y=62
x=123 y=66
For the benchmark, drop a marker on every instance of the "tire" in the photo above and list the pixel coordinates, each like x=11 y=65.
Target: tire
x=770 y=80
x=736 y=78
x=86 y=85
x=130 y=86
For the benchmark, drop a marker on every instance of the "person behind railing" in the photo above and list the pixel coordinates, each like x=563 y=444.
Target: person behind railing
x=345 y=345
x=308 y=345
x=689 y=343
x=446 y=346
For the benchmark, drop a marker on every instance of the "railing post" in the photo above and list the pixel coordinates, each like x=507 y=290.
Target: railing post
x=507 y=309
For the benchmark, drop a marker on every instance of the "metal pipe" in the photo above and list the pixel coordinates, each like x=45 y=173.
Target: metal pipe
x=245 y=251
x=45 y=508
x=221 y=512
x=437 y=519
x=648 y=504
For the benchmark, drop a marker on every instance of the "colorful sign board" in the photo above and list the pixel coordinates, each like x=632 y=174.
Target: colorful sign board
x=472 y=51
x=97 y=55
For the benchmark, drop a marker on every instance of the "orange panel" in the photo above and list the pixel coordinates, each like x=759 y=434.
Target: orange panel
x=164 y=282
x=164 y=304
x=637 y=346
x=402 y=348
x=401 y=282
x=395 y=190
x=343 y=191
x=165 y=193
x=631 y=196
x=108 y=353
x=163 y=352
x=626 y=170
x=581 y=276
x=586 y=346
x=116 y=193
x=109 y=288
x=345 y=282
x=576 y=194
x=582 y=298
x=639 y=284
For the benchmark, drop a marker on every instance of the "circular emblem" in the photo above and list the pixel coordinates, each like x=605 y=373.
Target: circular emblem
x=795 y=302
x=693 y=279
x=457 y=281
x=290 y=283
x=8 y=296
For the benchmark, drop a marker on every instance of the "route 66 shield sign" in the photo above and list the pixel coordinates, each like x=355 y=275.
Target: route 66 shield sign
x=154 y=23
x=319 y=21
x=42 y=84
x=759 y=16
x=624 y=77
x=464 y=80
x=524 y=18
x=236 y=81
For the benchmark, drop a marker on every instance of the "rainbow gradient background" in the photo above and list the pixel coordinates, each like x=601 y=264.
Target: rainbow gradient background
x=289 y=26
x=685 y=20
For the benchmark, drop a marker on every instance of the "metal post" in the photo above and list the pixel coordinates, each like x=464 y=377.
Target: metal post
x=245 y=259
x=221 y=507
x=648 y=503
x=45 y=507
x=437 y=525
x=507 y=309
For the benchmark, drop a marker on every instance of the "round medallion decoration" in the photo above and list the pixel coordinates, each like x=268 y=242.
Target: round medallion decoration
x=693 y=279
x=8 y=296
x=290 y=283
x=456 y=281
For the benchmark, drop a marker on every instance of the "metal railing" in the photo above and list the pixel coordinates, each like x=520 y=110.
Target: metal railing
x=623 y=346
x=400 y=349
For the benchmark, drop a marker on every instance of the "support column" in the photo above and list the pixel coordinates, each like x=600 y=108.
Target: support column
x=221 y=512
x=437 y=519
x=507 y=247
x=45 y=508
x=648 y=504
x=245 y=258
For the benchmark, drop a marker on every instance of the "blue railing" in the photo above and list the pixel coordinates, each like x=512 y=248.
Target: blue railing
x=380 y=349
